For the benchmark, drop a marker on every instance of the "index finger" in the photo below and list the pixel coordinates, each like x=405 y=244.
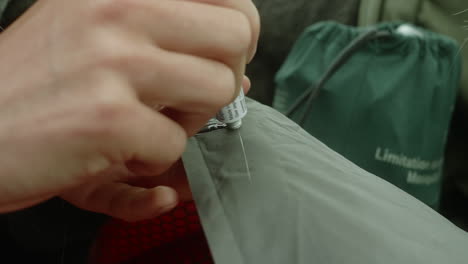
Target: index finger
x=246 y=7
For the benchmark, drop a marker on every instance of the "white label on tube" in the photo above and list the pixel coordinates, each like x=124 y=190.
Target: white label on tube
x=234 y=111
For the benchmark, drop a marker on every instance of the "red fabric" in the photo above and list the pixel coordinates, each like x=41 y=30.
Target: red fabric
x=173 y=238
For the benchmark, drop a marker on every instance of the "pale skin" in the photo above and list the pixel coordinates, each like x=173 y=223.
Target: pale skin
x=82 y=87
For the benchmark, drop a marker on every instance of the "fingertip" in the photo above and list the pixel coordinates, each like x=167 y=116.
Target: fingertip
x=164 y=199
x=246 y=84
x=152 y=203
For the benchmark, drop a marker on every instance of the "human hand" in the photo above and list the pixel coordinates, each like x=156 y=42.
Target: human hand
x=82 y=81
x=136 y=197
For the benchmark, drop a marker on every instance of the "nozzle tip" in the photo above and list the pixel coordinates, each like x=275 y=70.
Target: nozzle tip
x=235 y=125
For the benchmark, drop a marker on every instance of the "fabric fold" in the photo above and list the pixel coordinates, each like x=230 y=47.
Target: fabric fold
x=304 y=203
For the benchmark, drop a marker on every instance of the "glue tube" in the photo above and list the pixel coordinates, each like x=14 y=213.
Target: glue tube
x=233 y=113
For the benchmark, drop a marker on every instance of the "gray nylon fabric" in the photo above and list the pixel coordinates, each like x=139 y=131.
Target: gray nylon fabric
x=304 y=203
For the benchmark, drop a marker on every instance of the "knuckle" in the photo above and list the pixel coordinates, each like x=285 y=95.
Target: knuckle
x=112 y=10
x=106 y=119
x=112 y=61
x=101 y=51
x=109 y=58
x=105 y=102
x=107 y=89
x=110 y=112
x=123 y=59
x=118 y=54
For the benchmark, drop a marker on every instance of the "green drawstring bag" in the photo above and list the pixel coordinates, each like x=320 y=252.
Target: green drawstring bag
x=381 y=96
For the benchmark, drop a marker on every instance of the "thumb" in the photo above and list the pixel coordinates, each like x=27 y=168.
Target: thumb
x=124 y=201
